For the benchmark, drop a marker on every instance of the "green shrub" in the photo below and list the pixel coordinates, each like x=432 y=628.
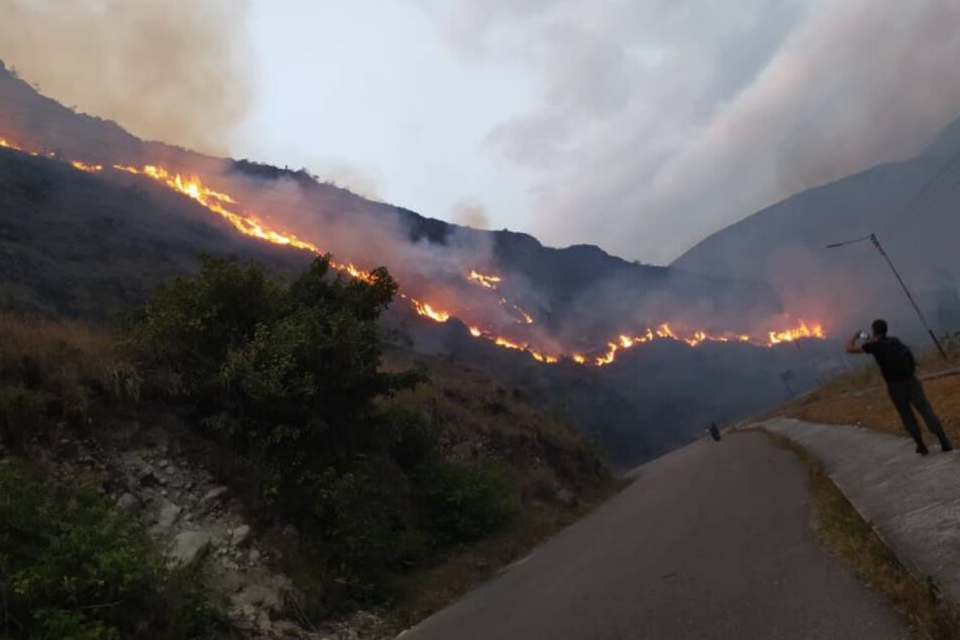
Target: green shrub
x=189 y=325
x=74 y=566
x=467 y=502
x=286 y=376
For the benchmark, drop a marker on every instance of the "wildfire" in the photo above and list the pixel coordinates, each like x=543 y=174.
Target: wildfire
x=527 y=318
x=426 y=310
x=485 y=281
x=250 y=224
x=696 y=338
x=89 y=168
x=803 y=331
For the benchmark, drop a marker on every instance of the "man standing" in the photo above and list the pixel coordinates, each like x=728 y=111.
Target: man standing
x=898 y=368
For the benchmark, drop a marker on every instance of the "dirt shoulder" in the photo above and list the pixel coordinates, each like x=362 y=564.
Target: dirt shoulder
x=860 y=398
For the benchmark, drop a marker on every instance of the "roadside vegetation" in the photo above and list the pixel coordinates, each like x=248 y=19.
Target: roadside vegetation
x=405 y=481
x=846 y=535
x=73 y=566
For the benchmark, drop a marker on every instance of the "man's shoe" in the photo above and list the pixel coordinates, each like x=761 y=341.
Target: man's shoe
x=946 y=446
x=922 y=449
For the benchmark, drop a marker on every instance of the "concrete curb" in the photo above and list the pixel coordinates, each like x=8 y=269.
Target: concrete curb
x=911 y=501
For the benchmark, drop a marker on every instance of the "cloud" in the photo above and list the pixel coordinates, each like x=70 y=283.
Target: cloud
x=659 y=122
x=171 y=70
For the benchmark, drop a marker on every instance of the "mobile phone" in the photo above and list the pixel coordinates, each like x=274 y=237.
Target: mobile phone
x=864 y=335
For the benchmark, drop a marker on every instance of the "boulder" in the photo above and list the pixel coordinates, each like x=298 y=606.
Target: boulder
x=211 y=498
x=128 y=501
x=240 y=536
x=169 y=514
x=269 y=594
x=189 y=547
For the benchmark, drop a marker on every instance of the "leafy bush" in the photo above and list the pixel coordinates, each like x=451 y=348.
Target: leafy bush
x=467 y=502
x=285 y=375
x=73 y=566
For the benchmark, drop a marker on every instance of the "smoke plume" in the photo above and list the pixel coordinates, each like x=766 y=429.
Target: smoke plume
x=659 y=122
x=171 y=70
x=471 y=214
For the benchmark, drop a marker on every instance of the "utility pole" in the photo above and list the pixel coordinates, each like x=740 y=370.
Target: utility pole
x=876 y=243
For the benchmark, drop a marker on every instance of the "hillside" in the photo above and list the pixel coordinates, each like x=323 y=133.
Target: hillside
x=99 y=241
x=78 y=245
x=571 y=292
x=911 y=207
x=133 y=462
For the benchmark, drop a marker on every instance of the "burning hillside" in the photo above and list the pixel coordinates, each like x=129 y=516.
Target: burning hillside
x=480 y=318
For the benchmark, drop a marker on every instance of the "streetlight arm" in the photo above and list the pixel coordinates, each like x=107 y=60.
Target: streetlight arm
x=876 y=243
x=903 y=285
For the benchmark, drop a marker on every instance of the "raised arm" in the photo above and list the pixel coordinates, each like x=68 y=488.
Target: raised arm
x=853 y=346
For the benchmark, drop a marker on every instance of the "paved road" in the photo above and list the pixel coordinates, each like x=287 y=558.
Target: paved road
x=914 y=501
x=712 y=542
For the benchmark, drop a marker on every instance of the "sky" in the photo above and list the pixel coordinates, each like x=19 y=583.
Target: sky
x=638 y=125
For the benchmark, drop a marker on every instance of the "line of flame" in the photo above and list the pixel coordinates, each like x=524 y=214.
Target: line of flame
x=251 y=225
x=484 y=280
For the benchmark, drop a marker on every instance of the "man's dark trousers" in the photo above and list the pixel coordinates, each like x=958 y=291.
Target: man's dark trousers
x=905 y=393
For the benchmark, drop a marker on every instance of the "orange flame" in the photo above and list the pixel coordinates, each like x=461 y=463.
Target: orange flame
x=89 y=168
x=527 y=318
x=249 y=224
x=426 y=310
x=802 y=331
x=484 y=280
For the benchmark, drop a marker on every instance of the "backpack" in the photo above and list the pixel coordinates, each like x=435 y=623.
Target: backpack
x=900 y=364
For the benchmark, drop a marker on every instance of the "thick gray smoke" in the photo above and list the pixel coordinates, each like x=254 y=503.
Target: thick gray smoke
x=171 y=70
x=660 y=122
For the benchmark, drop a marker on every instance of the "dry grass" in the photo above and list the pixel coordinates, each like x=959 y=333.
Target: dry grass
x=847 y=536
x=860 y=398
x=58 y=352
x=55 y=375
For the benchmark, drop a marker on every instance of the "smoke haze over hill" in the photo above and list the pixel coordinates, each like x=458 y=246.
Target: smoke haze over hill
x=668 y=120
x=171 y=70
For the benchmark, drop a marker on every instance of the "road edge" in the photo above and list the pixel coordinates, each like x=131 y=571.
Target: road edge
x=861 y=547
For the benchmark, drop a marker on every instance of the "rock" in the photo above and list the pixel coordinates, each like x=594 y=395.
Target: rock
x=189 y=547
x=128 y=501
x=267 y=594
x=240 y=536
x=254 y=556
x=211 y=498
x=169 y=513
x=464 y=451
x=565 y=497
x=146 y=477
